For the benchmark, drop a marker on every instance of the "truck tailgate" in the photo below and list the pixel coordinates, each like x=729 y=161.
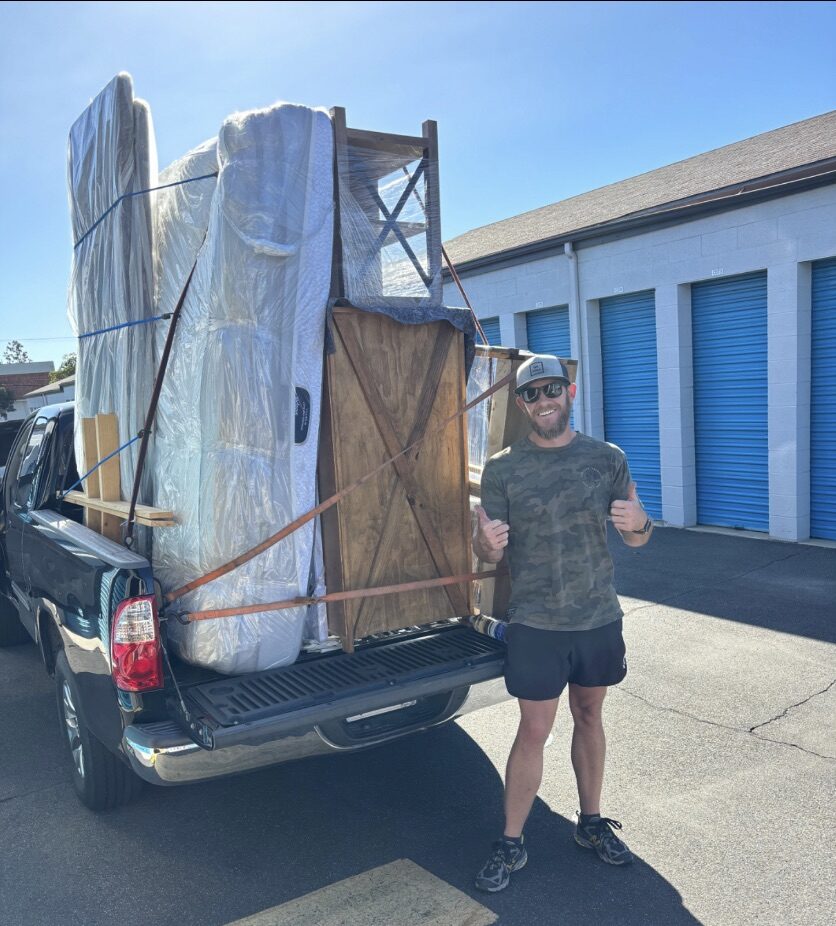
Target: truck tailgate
x=337 y=685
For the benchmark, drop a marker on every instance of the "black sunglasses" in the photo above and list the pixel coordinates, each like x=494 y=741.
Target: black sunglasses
x=550 y=391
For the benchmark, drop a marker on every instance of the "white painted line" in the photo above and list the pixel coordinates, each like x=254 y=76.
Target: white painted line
x=398 y=894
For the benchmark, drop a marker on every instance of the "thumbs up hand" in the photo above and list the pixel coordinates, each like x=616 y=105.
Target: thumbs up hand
x=489 y=537
x=628 y=515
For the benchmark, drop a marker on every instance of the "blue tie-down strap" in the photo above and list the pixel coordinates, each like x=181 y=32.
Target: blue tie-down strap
x=141 y=321
x=133 y=440
x=126 y=196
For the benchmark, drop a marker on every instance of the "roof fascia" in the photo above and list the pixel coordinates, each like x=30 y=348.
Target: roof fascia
x=785 y=183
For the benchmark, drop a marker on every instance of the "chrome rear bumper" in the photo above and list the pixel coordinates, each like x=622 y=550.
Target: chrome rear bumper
x=162 y=754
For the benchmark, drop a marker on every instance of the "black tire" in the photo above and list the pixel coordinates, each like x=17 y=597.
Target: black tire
x=101 y=779
x=12 y=632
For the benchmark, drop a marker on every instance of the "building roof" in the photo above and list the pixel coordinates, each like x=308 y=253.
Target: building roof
x=58 y=386
x=30 y=366
x=781 y=150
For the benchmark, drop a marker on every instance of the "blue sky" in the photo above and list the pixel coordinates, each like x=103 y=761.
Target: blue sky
x=535 y=101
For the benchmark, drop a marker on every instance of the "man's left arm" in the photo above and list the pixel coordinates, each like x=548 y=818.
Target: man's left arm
x=631 y=520
x=626 y=511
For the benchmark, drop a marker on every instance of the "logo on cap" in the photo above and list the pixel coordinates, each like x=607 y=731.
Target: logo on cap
x=536 y=367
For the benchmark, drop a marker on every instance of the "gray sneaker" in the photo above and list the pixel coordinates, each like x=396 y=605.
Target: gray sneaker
x=596 y=833
x=496 y=872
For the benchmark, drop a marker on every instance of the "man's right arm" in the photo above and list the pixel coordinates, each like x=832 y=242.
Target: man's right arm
x=490 y=535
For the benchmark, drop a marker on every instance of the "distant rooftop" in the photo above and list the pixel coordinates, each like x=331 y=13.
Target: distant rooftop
x=57 y=386
x=793 y=146
x=17 y=369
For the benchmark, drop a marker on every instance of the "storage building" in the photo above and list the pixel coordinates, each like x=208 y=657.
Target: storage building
x=700 y=299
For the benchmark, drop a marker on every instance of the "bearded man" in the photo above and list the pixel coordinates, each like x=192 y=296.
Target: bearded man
x=545 y=503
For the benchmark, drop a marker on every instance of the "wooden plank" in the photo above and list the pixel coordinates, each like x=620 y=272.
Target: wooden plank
x=341 y=180
x=506 y=424
x=499 y=353
x=330 y=520
x=110 y=488
x=408 y=229
x=386 y=141
x=464 y=477
x=119 y=508
x=432 y=207
x=378 y=531
x=107 y=441
x=92 y=517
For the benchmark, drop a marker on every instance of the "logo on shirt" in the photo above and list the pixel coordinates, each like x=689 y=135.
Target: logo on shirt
x=591 y=477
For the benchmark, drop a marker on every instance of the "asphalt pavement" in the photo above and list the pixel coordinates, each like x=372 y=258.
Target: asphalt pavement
x=721 y=766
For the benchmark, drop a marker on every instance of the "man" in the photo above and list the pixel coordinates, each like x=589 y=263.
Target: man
x=545 y=504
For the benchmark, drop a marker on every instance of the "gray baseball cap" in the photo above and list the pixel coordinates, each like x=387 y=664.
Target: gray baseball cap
x=541 y=366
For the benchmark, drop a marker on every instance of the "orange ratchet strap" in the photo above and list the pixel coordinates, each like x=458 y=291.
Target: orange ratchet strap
x=335 y=596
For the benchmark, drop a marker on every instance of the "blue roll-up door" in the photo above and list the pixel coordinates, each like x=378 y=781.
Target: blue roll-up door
x=491 y=328
x=631 y=389
x=548 y=331
x=823 y=402
x=728 y=320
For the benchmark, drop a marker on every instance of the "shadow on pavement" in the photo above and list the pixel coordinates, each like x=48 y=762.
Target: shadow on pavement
x=765 y=583
x=238 y=847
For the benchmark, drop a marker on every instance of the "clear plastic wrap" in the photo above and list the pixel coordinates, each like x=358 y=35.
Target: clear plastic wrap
x=111 y=153
x=235 y=454
x=389 y=226
x=482 y=377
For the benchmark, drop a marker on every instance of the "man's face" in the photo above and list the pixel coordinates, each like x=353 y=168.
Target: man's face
x=549 y=418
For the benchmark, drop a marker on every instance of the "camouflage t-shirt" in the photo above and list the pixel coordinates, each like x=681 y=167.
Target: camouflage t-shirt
x=556 y=502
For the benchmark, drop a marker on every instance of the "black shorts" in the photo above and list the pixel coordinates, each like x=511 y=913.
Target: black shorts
x=539 y=663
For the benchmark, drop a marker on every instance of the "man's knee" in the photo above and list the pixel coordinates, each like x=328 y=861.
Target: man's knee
x=536 y=723
x=587 y=706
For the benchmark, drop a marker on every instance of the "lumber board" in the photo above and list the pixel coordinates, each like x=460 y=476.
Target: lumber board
x=155 y=522
x=92 y=517
x=506 y=424
x=119 y=508
x=341 y=176
x=432 y=211
x=110 y=487
x=386 y=141
x=107 y=441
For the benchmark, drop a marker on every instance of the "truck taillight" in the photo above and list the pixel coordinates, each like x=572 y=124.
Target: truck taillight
x=136 y=656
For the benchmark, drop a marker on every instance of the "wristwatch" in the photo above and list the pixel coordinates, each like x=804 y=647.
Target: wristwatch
x=644 y=530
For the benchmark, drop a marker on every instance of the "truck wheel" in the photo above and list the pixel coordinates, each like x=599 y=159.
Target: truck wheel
x=12 y=631
x=100 y=778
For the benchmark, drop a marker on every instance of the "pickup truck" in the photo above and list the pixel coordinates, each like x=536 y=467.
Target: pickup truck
x=130 y=711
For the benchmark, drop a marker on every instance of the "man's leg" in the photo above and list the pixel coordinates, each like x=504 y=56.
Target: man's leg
x=525 y=763
x=588 y=751
x=536 y=668
x=589 y=745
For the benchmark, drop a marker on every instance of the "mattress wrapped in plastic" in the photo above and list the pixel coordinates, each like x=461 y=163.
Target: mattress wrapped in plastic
x=111 y=155
x=238 y=420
